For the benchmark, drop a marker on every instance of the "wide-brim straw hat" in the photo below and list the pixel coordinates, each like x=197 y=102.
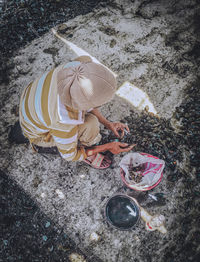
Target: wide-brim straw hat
x=85 y=86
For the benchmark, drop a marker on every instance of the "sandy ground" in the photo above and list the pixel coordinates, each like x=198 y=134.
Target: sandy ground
x=148 y=45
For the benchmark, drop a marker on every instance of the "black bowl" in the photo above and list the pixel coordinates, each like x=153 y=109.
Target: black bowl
x=122 y=212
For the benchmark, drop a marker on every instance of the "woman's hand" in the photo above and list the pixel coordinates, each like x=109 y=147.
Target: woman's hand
x=117 y=127
x=113 y=147
x=118 y=147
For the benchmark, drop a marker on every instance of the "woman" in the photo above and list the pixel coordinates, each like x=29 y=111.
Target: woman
x=61 y=109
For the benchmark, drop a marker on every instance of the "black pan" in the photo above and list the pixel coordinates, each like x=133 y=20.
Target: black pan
x=122 y=212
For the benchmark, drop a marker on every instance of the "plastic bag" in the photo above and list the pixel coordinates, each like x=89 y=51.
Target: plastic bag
x=151 y=173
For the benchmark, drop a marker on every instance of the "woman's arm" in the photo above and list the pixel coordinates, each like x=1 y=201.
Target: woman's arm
x=115 y=127
x=113 y=147
x=100 y=117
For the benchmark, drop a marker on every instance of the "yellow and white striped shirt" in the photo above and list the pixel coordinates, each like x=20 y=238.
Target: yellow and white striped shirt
x=41 y=112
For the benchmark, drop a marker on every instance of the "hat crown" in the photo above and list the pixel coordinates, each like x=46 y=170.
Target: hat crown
x=86 y=85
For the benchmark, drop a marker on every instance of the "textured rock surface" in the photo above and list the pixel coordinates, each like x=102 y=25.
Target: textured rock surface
x=153 y=44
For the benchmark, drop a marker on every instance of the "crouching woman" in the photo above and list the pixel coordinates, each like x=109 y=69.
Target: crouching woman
x=61 y=109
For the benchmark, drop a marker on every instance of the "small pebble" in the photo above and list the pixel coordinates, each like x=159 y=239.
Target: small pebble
x=44 y=238
x=60 y=194
x=94 y=237
x=43 y=195
x=74 y=257
x=50 y=248
x=5 y=242
x=47 y=224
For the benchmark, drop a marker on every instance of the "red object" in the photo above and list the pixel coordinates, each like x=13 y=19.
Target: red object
x=149 y=226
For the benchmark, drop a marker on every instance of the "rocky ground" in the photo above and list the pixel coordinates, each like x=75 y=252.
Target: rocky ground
x=152 y=44
x=28 y=234
x=21 y=21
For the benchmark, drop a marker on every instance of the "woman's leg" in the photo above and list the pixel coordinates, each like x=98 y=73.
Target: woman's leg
x=88 y=132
